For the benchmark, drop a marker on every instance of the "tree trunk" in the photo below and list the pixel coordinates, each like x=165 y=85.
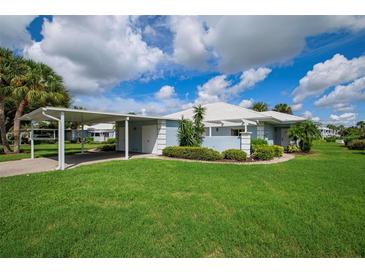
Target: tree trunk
x=4 y=141
x=18 y=114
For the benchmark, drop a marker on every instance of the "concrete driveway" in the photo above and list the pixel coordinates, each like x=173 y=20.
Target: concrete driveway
x=27 y=166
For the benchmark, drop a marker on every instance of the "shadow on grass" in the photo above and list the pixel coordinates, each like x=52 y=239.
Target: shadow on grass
x=359 y=152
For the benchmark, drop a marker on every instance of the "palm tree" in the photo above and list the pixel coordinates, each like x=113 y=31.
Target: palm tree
x=39 y=83
x=199 y=129
x=304 y=132
x=6 y=71
x=260 y=106
x=284 y=108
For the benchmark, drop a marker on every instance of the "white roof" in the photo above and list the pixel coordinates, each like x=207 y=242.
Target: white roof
x=222 y=112
x=283 y=117
x=81 y=115
x=100 y=126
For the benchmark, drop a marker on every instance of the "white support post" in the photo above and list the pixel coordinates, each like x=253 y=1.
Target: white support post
x=31 y=140
x=246 y=142
x=61 y=140
x=82 y=138
x=245 y=126
x=126 y=138
x=210 y=131
x=59 y=144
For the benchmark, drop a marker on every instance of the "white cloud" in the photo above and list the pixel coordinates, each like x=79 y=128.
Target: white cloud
x=249 y=78
x=13 y=32
x=246 y=103
x=94 y=53
x=189 y=47
x=342 y=96
x=219 y=88
x=324 y=75
x=166 y=92
x=296 y=107
x=308 y=115
x=347 y=119
x=241 y=42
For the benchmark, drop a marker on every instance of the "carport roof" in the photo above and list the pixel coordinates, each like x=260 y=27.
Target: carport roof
x=84 y=116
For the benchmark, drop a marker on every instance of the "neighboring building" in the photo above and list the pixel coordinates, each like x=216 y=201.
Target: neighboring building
x=327 y=132
x=100 y=132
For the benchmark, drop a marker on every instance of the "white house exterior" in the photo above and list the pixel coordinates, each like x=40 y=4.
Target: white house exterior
x=100 y=132
x=327 y=132
x=227 y=126
x=231 y=126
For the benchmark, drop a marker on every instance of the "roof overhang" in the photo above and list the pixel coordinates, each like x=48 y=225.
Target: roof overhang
x=84 y=116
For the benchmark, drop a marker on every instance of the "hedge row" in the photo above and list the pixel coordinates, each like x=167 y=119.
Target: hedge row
x=194 y=153
x=260 y=152
x=356 y=144
x=234 y=154
x=266 y=152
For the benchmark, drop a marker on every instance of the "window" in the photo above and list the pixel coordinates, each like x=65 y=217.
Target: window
x=235 y=132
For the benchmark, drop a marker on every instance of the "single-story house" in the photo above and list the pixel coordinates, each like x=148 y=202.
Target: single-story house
x=328 y=132
x=100 y=132
x=227 y=126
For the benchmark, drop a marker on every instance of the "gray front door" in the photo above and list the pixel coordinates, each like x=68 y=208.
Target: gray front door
x=284 y=137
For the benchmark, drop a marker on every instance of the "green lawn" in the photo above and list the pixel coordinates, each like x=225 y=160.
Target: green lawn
x=45 y=150
x=312 y=206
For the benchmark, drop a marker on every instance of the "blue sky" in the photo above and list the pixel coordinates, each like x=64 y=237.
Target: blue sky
x=159 y=64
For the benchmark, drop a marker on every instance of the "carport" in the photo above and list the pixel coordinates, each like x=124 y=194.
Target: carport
x=62 y=115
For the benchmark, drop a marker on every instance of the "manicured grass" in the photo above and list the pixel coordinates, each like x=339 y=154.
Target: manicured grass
x=45 y=150
x=312 y=206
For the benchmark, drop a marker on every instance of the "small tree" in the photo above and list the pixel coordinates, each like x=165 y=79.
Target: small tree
x=198 y=125
x=304 y=133
x=191 y=133
x=185 y=133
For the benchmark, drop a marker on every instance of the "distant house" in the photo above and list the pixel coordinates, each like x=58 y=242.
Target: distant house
x=327 y=132
x=100 y=132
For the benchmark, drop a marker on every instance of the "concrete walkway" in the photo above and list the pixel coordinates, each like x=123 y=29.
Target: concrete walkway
x=27 y=166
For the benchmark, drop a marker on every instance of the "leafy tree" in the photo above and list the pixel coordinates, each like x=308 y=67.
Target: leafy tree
x=260 y=106
x=198 y=124
x=284 y=108
x=333 y=127
x=6 y=58
x=38 y=83
x=304 y=133
x=185 y=133
x=361 y=125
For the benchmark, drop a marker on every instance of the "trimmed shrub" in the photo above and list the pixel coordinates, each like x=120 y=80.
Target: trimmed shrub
x=89 y=140
x=292 y=148
x=234 y=154
x=331 y=139
x=356 y=144
x=263 y=152
x=255 y=142
x=348 y=139
x=108 y=147
x=111 y=141
x=194 y=153
x=278 y=150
